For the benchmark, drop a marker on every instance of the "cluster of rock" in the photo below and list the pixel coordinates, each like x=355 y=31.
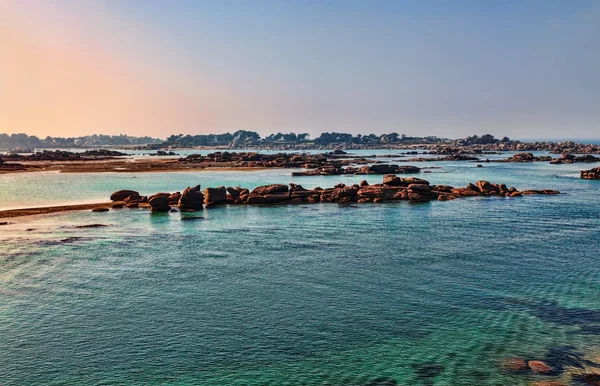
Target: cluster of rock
x=526 y=157
x=448 y=148
x=360 y=170
x=162 y=153
x=393 y=188
x=566 y=158
x=62 y=155
x=571 y=368
x=279 y=160
x=457 y=156
x=592 y=174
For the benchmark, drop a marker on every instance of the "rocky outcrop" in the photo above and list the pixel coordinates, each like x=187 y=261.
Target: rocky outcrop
x=592 y=174
x=393 y=188
x=526 y=157
x=62 y=155
x=270 y=189
x=571 y=159
x=191 y=198
x=373 y=169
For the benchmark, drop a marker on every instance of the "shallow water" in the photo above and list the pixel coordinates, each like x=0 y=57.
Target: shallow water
x=427 y=294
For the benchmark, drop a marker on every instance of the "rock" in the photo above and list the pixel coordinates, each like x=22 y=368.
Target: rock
x=97 y=210
x=382 y=381
x=413 y=180
x=90 y=226
x=121 y=195
x=514 y=364
x=539 y=367
x=233 y=192
x=548 y=383
x=465 y=192
x=117 y=205
x=276 y=197
x=378 y=193
x=214 y=196
x=270 y=189
x=192 y=218
x=591 y=379
x=383 y=168
x=420 y=187
x=255 y=199
x=446 y=197
x=363 y=183
x=592 y=174
x=191 y=198
x=407 y=169
x=159 y=203
x=5 y=223
x=132 y=205
x=391 y=180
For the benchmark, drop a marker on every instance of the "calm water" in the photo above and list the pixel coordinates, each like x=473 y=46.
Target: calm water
x=426 y=294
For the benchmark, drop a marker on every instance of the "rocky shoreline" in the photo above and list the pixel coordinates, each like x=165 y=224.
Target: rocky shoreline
x=393 y=188
x=337 y=162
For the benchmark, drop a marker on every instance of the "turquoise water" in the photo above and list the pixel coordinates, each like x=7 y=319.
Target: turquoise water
x=326 y=294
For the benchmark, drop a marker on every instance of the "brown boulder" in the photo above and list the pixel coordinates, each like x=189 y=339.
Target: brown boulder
x=100 y=210
x=514 y=364
x=255 y=199
x=159 y=203
x=214 y=196
x=270 y=189
x=121 y=195
x=191 y=198
x=465 y=192
x=413 y=180
x=539 y=367
x=383 y=168
x=233 y=192
x=276 y=197
x=420 y=187
x=392 y=180
x=486 y=187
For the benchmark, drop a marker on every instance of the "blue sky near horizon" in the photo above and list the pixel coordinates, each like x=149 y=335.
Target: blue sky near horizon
x=524 y=69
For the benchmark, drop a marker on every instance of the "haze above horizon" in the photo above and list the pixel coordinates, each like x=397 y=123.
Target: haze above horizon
x=525 y=69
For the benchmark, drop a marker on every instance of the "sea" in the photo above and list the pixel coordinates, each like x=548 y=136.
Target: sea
x=436 y=293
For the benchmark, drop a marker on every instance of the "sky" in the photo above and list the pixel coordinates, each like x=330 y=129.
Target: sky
x=450 y=68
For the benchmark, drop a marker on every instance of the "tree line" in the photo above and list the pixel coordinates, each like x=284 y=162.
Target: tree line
x=31 y=141
x=238 y=138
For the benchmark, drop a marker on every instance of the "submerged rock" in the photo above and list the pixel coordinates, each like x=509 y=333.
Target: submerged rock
x=382 y=381
x=514 y=364
x=539 y=367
